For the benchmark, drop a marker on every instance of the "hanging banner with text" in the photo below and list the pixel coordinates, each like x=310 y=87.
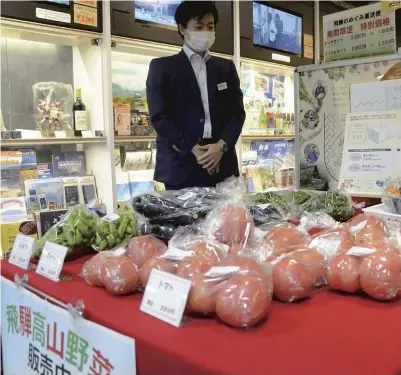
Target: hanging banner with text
x=359 y=32
x=372 y=142
x=40 y=338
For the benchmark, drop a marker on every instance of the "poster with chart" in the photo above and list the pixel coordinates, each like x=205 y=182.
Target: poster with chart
x=371 y=151
x=376 y=96
x=324 y=101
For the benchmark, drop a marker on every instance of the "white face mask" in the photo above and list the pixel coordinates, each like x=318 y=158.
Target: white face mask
x=200 y=41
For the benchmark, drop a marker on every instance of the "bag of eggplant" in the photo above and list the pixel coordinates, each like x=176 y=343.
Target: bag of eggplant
x=166 y=211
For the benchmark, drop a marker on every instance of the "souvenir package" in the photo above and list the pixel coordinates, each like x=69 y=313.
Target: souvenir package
x=87 y=189
x=44 y=194
x=53 y=102
x=113 y=230
x=72 y=163
x=71 y=191
x=392 y=194
x=47 y=219
x=75 y=231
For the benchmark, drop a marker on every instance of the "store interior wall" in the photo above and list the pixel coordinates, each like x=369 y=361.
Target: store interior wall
x=46 y=63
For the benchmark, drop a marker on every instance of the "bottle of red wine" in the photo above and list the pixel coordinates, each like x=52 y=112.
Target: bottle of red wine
x=80 y=115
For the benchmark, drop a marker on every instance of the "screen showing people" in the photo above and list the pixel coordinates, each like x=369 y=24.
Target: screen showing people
x=273 y=28
x=157 y=12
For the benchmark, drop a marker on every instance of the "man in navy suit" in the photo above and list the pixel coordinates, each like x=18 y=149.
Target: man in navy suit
x=195 y=105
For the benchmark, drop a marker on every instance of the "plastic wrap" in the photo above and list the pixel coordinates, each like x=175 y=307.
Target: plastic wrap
x=315 y=220
x=76 y=231
x=113 y=230
x=266 y=213
x=380 y=275
x=342 y=273
x=368 y=229
x=230 y=222
x=392 y=194
x=53 y=103
x=141 y=249
x=271 y=197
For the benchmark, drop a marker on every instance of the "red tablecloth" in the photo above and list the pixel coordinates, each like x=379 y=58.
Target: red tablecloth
x=329 y=334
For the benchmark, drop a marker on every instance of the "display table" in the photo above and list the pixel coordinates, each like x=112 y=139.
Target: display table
x=328 y=334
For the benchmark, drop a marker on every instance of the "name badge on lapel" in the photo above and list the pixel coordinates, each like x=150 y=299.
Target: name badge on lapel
x=222 y=86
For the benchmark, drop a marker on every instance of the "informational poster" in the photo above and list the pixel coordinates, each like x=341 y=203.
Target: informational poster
x=41 y=338
x=376 y=96
x=359 y=32
x=324 y=101
x=370 y=151
x=390 y=6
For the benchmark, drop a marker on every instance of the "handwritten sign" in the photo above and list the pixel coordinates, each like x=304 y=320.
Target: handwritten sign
x=21 y=251
x=51 y=261
x=85 y=15
x=89 y=3
x=165 y=297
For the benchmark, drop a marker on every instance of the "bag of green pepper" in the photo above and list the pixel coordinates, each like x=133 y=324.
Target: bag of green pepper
x=113 y=230
x=75 y=231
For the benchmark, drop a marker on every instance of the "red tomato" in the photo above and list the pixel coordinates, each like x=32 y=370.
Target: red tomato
x=237 y=225
x=361 y=221
x=381 y=275
x=343 y=233
x=243 y=301
x=235 y=249
x=292 y=280
x=91 y=271
x=209 y=250
x=345 y=246
x=343 y=273
x=119 y=275
x=311 y=259
x=248 y=267
x=140 y=249
x=282 y=237
x=190 y=267
x=370 y=234
x=203 y=293
x=385 y=244
x=154 y=263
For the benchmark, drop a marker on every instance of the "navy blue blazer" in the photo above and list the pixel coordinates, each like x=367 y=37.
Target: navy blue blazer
x=177 y=114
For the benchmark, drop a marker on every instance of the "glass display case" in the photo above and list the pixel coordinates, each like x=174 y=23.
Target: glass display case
x=45 y=165
x=267 y=153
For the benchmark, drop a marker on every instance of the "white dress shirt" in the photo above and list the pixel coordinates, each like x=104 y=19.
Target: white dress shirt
x=199 y=66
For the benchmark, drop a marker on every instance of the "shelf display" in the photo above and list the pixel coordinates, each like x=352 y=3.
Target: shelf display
x=268 y=98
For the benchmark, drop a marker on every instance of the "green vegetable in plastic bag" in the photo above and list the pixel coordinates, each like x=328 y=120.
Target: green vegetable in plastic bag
x=114 y=230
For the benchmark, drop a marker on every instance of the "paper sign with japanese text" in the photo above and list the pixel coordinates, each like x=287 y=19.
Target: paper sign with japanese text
x=89 y=3
x=390 y=6
x=49 y=341
x=21 y=251
x=85 y=15
x=359 y=32
x=165 y=297
x=51 y=261
x=371 y=141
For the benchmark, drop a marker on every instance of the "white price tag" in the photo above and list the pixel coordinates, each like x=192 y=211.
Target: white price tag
x=21 y=251
x=110 y=218
x=87 y=134
x=51 y=261
x=219 y=271
x=165 y=297
x=358 y=251
x=173 y=253
x=60 y=134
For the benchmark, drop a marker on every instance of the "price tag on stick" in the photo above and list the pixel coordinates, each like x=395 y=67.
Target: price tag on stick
x=21 y=251
x=165 y=297
x=51 y=261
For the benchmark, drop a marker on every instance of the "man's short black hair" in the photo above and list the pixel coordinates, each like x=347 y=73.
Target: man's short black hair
x=188 y=10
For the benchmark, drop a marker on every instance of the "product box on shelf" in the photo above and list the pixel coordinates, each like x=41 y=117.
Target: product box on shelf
x=122 y=120
x=45 y=170
x=11 y=228
x=44 y=194
x=12 y=207
x=46 y=219
x=141 y=182
x=87 y=189
x=122 y=186
x=71 y=191
x=71 y=163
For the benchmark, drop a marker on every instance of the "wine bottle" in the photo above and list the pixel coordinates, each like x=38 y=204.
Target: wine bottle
x=80 y=115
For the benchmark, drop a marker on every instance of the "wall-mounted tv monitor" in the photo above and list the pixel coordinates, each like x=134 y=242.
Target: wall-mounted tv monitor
x=277 y=29
x=157 y=12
